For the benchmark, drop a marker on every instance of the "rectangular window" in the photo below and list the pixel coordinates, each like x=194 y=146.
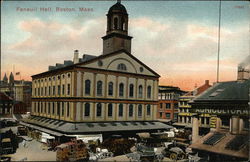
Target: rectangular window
x=35 y=92
x=161 y=114
x=38 y=91
x=45 y=91
x=168 y=115
x=58 y=108
x=68 y=107
x=68 y=90
x=63 y=89
x=176 y=116
x=62 y=108
x=41 y=91
x=49 y=108
x=176 y=105
x=59 y=90
x=45 y=107
x=49 y=90
x=168 y=105
x=53 y=108
x=54 y=90
x=161 y=105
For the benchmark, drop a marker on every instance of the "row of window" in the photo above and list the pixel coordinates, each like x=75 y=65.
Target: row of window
x=52 y=78
x=121 y=89
x=168 y=96
x=49 y=108
x=43 y=91
x=120 y=110
x=168 y=115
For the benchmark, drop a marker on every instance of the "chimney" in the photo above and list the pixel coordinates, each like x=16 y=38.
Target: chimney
x=243 y=74
x=76 y=57
x=206 y=82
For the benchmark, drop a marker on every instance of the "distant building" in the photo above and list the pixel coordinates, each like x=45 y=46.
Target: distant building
x=6 y=104
x=168 y=97
x=228 y=103
x=114 y=93
x=184 y=115
x=19 y=91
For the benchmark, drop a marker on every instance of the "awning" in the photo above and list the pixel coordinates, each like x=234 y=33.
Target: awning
x=95 y=127
x=42 y=129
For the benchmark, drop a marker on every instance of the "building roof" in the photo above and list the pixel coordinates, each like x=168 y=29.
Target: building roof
x=232 y=90
x=166 y=89
x=221 y=146
x=95 y=127
x=94 y=59
x=117 y=8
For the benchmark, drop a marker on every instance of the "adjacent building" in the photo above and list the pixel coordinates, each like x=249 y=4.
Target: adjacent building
x=111 y=93
x=6 y=104
x=19 y=91
x=168 y=97
x=185 y=116
x=229 y=103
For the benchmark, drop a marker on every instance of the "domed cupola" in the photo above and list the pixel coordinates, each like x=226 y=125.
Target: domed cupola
x=117 y=8
x=117 y=30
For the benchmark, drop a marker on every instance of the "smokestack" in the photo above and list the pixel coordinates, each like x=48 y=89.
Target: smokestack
x=243 y=74
x=76 y=57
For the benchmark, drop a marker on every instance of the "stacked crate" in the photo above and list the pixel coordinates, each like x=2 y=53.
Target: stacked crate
x=71 y=151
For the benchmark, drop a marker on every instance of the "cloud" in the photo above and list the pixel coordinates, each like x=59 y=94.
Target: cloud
x=183 y=53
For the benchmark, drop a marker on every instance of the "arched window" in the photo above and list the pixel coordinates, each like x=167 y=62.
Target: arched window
x=120 y=113
x=140 y=91
x=131 y=90
x=87 y=87
x=139 y=110
x=87 y=109
x=148 y=110
x=99 y=88
x=99 y=110
x=149 y=92
x=130 y=111
x=121 y=67
x=121 y=89
x=123 y=24
x=110 y=109
x=110 y=91
x=115 y=23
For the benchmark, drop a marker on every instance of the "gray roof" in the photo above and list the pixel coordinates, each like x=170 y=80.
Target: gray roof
x=84 y=58
x=94 y=127
x=222 y=91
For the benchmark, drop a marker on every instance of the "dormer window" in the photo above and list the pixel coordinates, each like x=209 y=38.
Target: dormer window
x=122 y=67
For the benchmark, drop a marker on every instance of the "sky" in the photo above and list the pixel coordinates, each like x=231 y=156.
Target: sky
x=177 y=39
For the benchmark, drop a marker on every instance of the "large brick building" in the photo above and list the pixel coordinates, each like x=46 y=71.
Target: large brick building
x=168 y=103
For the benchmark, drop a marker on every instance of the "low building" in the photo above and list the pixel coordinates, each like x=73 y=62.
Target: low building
x=6 y=104
x=228 y=103
x=184 y=115
x=19 y=91
x=168 y=97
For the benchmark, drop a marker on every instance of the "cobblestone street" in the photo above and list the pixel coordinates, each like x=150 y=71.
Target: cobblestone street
x=33 y=151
